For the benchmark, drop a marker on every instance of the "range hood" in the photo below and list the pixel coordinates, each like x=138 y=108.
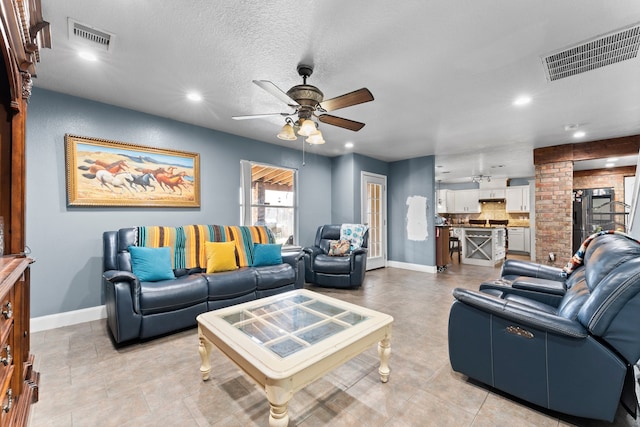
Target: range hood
x=498 y=200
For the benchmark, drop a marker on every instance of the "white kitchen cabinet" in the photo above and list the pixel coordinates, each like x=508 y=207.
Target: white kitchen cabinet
x=519 y=239
x=517 y=198
x=466 y=201
x=491 y=193
x=445 y=201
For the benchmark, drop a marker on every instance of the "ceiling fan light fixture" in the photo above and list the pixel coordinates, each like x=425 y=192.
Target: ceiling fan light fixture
x=316 y=138
x=287 y=133
x=307 y=128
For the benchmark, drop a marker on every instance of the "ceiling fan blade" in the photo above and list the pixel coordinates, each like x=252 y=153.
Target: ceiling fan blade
x=276 y=91
x=339 y=121
x=259 y=116
x=347 y=100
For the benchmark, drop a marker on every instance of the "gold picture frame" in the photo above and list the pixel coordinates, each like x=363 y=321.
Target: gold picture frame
x=101 y=172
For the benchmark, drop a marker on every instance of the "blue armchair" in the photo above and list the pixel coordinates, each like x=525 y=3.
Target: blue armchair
x=575 y=356
x=334 y=271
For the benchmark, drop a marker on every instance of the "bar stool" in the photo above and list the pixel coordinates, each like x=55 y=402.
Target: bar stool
x=454 y=246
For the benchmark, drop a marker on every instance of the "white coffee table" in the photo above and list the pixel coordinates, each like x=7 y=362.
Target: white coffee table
x=286 y=341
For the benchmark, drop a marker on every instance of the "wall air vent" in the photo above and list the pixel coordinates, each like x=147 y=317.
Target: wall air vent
x=604 y=50
x=89 y=35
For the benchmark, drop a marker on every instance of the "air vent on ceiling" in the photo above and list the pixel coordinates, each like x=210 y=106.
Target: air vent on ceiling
x=604 y=50
x=88 y=34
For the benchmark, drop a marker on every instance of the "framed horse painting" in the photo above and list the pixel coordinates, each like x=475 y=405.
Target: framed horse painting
x=111 y=173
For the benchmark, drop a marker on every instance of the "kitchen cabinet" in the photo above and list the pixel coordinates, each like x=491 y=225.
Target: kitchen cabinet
x=517 y=198
x=445 y=201
x=491 y=193
x=483 y=246
x=442 y=247
x=519 y=239
x=466 y=201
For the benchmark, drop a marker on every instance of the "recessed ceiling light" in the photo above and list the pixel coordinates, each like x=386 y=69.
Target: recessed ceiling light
x=348 y=145
x=571 y=127
x=579 y=134
x=497 y=166
x=87 y=56
x=522 y=100
x=609 y=165
x=613 y=159
x=194 y=96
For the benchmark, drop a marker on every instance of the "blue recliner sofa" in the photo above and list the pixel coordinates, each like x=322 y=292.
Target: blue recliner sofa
x=569 y=347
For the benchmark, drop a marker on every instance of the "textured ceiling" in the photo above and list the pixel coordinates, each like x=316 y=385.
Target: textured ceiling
x=443 y=74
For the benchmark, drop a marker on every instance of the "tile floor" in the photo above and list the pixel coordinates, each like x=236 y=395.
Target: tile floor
x=86 y=381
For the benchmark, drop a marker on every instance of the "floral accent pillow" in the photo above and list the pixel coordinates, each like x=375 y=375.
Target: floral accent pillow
x=354 y=233
x=339 y=248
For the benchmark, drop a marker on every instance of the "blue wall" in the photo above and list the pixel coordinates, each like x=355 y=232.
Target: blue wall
x=413 y=177
x=67 y=242
x=346 y=198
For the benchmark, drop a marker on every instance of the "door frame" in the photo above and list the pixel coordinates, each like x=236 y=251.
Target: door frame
x=364 y=177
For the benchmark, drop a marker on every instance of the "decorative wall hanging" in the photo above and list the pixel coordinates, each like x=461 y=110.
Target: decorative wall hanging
x=111 y=173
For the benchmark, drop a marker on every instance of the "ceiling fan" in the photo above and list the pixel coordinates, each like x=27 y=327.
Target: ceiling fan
x=308 y=101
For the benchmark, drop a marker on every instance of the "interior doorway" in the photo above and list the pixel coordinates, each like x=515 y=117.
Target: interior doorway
x=374 y=215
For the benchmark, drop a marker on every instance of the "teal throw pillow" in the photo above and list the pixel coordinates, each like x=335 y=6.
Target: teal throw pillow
x=267 y=254
x=151 y=264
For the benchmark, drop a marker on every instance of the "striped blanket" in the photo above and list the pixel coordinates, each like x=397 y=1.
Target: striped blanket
x=577 y=259
x=187 y=241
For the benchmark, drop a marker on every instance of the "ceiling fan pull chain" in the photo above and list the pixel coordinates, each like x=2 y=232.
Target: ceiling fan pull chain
x=303 y=163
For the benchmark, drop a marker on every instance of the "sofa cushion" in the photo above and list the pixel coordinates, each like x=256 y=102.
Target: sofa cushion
x=221 y=256
x=267 y=254
x=229 y=284
x=331 y=264
x=274 y=276
x=168 y=295
x=151 y=264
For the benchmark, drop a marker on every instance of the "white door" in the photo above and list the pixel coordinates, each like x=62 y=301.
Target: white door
x=374 y=215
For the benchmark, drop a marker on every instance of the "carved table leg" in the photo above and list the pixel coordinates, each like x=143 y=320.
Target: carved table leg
x=205 y=351
x=384 y=351
x=278 y=393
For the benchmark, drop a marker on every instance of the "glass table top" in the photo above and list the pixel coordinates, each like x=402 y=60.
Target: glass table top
x=289 y=325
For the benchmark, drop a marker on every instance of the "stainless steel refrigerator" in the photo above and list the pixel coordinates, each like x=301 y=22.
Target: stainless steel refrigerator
x=593 y=210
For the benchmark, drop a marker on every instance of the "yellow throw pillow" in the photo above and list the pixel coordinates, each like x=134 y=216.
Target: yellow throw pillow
x=221 y=256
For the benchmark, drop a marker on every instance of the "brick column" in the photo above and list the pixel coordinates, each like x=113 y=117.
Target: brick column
x=553 y=207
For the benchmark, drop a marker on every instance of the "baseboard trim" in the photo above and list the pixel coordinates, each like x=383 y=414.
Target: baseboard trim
x=413 y=267
x=44 y=323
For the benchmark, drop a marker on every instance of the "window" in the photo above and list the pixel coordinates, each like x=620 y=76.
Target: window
x=268 y=197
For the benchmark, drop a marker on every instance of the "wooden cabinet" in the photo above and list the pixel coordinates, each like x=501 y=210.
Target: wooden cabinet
x=517 y=199
x=466 y=201
x=442 y=248
x=18 y=380
x=22 y=35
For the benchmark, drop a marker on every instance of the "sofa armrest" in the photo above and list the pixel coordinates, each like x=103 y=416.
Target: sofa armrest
x=517 y=267
x=539 y=285
x=503 y=288
x=119 y=276
x=292 y=257
x=296 y=260
x=521 y=313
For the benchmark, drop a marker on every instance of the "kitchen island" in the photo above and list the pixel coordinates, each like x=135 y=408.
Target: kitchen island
x=482 y=245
